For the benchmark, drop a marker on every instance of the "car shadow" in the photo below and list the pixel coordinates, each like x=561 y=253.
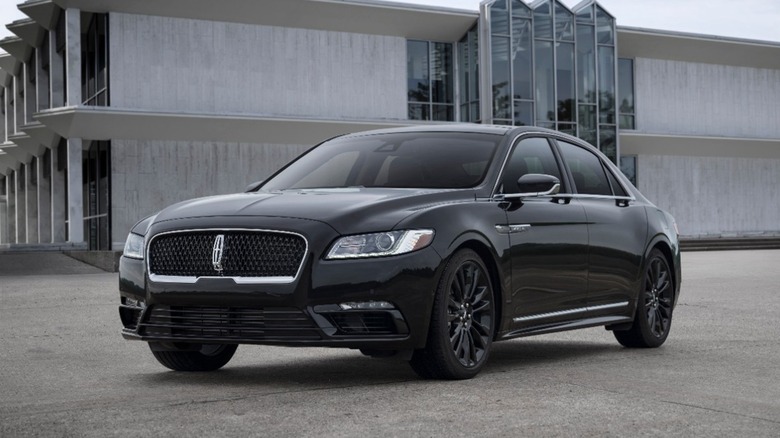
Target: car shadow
x=357 y=370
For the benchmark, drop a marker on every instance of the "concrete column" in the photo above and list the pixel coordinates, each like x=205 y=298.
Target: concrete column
x=21 y=205
x=73 y=57
x=11 y=190
x=59 y=210
x=75 y=194
x=56 y=81
x=31 y=200
x=4 y=210
x=44 y=198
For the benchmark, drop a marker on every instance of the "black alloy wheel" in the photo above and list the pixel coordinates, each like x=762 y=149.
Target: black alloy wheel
x=208 y=358
x=654 y=310
x=462 y=324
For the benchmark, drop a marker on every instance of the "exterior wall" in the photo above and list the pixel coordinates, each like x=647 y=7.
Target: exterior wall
x=150 y=175
x=714 y=195
x=174 y=64
x=705 y=99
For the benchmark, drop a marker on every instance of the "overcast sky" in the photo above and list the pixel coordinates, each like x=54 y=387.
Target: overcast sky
x=753 y=19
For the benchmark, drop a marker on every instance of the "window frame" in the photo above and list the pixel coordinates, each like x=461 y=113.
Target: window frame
x=604 y=166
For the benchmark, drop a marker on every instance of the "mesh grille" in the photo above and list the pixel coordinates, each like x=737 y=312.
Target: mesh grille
x=375 y=323
x=235 y=323
x=244 y=254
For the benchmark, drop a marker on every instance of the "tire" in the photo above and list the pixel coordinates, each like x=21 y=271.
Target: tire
x=462 y=322
x=653 y=317
x=209 y=358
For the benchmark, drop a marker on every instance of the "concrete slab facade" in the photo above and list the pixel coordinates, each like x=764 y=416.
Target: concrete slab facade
x=147 y=176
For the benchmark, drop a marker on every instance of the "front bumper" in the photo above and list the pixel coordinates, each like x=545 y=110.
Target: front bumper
x=394 y=297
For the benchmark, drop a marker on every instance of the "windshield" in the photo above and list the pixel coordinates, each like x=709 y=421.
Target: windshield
x=403 y=160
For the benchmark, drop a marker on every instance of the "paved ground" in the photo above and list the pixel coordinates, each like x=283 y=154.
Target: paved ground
x=65 y=371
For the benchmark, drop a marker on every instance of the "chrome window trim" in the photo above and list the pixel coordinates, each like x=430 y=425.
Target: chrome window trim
x=238 y=280
x=571 y=311
x=557 y=136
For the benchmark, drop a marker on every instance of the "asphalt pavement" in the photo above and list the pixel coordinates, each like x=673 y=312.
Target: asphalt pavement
x=66 y=371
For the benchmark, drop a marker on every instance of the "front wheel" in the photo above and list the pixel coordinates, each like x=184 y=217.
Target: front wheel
x=653 y=317
x=208 y=358
x=461 y=327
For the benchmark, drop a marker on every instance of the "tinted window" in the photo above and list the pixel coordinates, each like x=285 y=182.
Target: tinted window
x=405 y=160
x=532 y=155
x=617 y=189
x=586 y=169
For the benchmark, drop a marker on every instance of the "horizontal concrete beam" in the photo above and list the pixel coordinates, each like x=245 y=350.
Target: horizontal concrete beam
x=111 y=123
x=637 y=143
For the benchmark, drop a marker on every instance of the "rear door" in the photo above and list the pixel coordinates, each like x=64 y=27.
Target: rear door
x=617 y=229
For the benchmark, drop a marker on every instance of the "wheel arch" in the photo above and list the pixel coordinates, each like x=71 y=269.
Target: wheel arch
x=662 y=244
x=489 y=258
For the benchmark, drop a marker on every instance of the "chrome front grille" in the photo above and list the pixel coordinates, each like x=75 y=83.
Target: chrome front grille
x=226 y=253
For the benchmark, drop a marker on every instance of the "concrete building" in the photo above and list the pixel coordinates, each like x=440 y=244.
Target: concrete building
x=113 y=109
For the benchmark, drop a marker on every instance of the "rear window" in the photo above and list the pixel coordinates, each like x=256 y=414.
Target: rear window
x=402 y=160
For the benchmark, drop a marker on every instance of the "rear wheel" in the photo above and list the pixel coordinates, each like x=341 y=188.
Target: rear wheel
x=208 y=358
x=653 y=317
x=461 y=327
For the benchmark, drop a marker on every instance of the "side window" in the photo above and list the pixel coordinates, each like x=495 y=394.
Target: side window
x=616 y=187
x=586 y=170
x=532 y=155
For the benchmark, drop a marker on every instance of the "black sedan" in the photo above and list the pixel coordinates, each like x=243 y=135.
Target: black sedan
x=425 y=243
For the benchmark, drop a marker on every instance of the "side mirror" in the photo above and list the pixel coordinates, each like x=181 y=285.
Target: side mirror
x=534 y=185
x=252 y=187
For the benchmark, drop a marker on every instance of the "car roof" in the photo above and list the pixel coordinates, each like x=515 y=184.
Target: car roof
x=455 y=127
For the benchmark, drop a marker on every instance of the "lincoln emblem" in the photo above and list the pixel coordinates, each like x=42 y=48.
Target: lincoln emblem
x=216 y=254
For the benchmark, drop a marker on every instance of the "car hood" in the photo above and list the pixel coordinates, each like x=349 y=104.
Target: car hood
x=348 y=210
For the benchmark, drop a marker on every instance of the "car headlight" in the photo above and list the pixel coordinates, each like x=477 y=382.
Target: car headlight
x=134 y=246
x=380 y=244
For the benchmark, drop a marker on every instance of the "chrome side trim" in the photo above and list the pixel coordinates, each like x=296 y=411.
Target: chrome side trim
x=571 y=311
x=512 y=228
x=238 y=280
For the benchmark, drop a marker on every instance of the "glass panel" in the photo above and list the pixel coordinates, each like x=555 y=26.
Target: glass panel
x=607 y=143
x=532 y=155
x=419 y=111
x=522 y=59
x=543 y=21
x=626 y=85
x=565 y=71
x=474 y=113
x=520 y=9
x=464 y=113
x=586 y=170
x=502 y=122
x=587 y=123
x=441 y=70
x=564 y=23
x=606 y=84
x=567 y=128
x=585 y=15
x=501 y=98
x=463 y=70
x=474 y=44
x=545 y=85
x=586 y=64
x=524 y=113
x=605 y=25
x=499 y=17
x=417 y=71
x=627 y=122
x=443 y=113
x=628 y=167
